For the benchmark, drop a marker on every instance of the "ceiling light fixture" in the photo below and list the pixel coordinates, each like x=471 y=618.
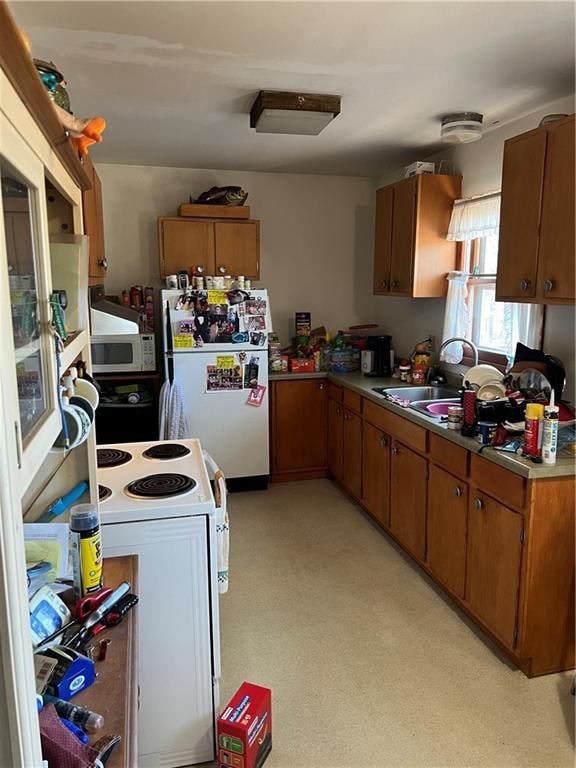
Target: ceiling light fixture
x=297 y=113
x=461 y=128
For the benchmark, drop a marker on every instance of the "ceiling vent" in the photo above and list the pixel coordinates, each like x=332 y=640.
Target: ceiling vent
x=298 y=113
x=461 y=128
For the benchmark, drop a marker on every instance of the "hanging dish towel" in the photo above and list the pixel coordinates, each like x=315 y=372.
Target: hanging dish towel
x=176 y=426
x=222 y=532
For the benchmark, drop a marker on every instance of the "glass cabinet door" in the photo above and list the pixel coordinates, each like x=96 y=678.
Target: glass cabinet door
x=17 y=207
x=28 y=368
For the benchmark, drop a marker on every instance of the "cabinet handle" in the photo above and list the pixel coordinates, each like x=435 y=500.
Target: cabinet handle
x=394 y=284
x=524 y=285
x=338 y=411
x=320 y=386
x=103 y=263
x=395 y=451
x=457 y=491
x=384 y=441
x=222 y=270
x=478 y=503
x=384 y=284
x=199 y=269
x=549 y=285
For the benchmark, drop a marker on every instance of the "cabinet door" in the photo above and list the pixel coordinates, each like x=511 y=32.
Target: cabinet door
x=376 y=473
x=446 y=529
x=29 y=371
x=403 y=232
x=352 y=453
x=93 y=224
x=556 y=250
x=522 y=181
x=335 y=439
x=493 y=564
x=238 y=248
x=186 y=245
x=383 y=239
x=299 y=426
x=408 y=499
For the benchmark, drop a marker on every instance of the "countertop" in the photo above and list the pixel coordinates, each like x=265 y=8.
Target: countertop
x=358 y=382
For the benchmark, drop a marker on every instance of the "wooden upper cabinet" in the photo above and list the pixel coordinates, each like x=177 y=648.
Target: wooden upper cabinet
x=94 y=224
x=556 y=252
x=383 y=239
x=493 y=565
x=207 y=247
x=536 y=244
x=237 y=248
x=408 y=498
x=411 y=253
x=186 y=244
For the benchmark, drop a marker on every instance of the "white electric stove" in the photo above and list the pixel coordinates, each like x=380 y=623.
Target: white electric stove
x=156 y=501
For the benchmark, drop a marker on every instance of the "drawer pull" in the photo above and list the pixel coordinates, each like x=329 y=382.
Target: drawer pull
x=321 y=386
x=524 y=285
x=549 y=285
x=395 y=451
x=478 y=504
x=457 y=491
x=384 y=441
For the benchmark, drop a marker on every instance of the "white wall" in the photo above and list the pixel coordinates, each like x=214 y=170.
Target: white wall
x=316 y=235
x=480 y=165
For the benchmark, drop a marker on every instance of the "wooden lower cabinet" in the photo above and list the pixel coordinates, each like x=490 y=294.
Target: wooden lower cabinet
x=299 y=420
x=493 y=565
x=447 y=528
x=335 y=444
x=376 y=473
x=352 y=453
x=408 y=486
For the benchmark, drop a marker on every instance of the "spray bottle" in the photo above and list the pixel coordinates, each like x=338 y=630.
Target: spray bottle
x=550 y=432
x=86 y=547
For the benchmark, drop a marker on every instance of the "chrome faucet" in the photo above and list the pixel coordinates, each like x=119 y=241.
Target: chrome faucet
x=471 y=344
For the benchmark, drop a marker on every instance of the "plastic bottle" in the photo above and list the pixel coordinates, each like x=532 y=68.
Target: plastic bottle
x=550 y=432
x=86 y=547
x=84 y=718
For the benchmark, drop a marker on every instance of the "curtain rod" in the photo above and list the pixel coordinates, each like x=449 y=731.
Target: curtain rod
x=487 y=196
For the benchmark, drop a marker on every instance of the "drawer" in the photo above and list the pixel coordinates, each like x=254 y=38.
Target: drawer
x=449 y=455
x=334 y=392
x=406 y=431
x=352 y=400
x=498 y=482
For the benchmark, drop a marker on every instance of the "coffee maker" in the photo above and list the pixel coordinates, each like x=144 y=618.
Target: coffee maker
x=379 y=364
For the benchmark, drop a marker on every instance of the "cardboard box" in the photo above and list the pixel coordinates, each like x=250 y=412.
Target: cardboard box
x=204 y=211
x=419 y=167
x=303 y=323
x=245 y=728
x=301 y=366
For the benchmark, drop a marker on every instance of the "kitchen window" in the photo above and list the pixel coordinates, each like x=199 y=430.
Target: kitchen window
x=471 y=308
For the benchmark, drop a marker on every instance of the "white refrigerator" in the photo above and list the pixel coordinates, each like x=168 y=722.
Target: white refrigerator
x=217 y=352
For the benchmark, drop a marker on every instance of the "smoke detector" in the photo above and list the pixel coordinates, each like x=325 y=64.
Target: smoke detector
x=461 y=128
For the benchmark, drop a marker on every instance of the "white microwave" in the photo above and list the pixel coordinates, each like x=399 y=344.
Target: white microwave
x=123 y=353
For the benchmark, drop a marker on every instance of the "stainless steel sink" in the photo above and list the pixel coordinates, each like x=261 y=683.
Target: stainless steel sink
x=417 y=394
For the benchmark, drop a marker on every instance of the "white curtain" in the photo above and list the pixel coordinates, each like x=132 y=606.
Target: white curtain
x=524 y=322
x=475 y=217
x=456 y=316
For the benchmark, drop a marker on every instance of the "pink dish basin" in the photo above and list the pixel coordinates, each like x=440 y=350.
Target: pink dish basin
x=439 y=409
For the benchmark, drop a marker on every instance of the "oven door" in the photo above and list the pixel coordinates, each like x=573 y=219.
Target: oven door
x=117 y=353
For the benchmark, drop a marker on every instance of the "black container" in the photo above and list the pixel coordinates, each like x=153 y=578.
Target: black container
x=380 y=345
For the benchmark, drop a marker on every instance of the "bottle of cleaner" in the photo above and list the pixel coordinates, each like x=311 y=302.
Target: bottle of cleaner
x=532 y=429
x=550 y=432
x=86 y=547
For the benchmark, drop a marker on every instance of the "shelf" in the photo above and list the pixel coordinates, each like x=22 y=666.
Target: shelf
x=73 y=346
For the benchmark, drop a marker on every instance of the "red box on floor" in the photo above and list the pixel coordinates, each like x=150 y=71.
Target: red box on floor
x=245 y=728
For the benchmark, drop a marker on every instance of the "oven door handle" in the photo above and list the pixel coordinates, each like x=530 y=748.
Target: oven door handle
x=222 y=523
x=220 y=492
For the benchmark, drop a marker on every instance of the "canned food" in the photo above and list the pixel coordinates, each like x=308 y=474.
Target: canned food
x=486 y=432
x=455 y=416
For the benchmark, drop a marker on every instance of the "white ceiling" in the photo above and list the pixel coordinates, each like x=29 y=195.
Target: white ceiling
x=176 y=80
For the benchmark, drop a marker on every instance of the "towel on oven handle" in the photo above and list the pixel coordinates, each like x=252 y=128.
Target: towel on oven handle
x=222 y=523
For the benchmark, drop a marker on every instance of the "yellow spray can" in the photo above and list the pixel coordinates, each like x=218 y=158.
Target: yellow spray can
x=86 y=547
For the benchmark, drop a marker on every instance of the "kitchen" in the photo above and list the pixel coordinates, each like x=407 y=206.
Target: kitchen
x=317 y=212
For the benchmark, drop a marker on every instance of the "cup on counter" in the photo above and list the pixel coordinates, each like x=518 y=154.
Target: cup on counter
x=172 y=281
